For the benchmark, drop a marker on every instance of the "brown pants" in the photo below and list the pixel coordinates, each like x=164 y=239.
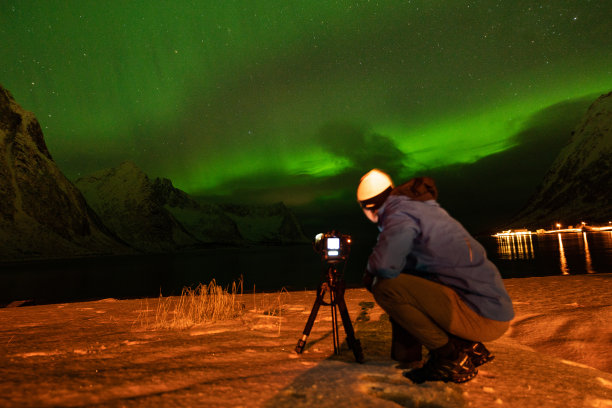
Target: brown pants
x=430 y=310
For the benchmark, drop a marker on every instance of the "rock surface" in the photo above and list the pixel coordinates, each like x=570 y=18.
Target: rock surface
x=577 y=187
x=42 y=214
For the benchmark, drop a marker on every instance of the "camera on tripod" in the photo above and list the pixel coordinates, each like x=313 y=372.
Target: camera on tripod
x=332 y=246
x=334 y=249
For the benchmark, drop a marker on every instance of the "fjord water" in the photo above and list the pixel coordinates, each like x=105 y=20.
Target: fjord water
x=569 y=253
x=271 y=268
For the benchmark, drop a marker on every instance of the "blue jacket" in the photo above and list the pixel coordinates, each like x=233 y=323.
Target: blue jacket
x=421 y=238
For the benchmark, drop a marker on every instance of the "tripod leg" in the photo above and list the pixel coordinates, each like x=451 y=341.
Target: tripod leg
x=311 y=319
x=334 y=315
x=352 y=342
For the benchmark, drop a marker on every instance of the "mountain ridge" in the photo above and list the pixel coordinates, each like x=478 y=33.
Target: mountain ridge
x=116 y=211
x=577 y=186
x=154 y=215
x=42 y=214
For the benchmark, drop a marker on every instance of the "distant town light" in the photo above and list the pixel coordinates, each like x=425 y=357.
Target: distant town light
x=570 y=228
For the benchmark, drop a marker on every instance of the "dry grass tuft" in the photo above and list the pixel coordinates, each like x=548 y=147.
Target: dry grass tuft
x=205 y=303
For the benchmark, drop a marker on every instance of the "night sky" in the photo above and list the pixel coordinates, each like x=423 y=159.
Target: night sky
x=293 y=101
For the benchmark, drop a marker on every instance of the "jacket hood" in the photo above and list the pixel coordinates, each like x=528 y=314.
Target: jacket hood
x=418 y=189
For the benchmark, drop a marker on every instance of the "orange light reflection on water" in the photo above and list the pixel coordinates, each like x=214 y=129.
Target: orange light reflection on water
x=588 y=248
x=587 y=254
x=519 y=246
x=564 y=267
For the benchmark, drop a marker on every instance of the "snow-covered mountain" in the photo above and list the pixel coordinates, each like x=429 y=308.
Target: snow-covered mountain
x=155 y=216
x=578 y=186
x=205 y=221
x=42 y=214
x=126 y=200
x=114 y=211
x=266 y=223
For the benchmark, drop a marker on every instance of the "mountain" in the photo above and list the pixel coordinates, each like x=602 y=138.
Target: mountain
x=128 y=203
x=205 y=221
x=578 y=185
x=155 y=216
x=42 y=214
x=274 y=224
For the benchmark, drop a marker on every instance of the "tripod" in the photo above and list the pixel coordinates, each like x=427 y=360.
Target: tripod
x=335 y=285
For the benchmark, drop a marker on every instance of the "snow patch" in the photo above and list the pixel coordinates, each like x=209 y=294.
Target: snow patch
x=604 y=382
x=575 y=364
x=597 y=402
x=265 y=326
x=39 y=354
x=211 y=330
x=395 y=388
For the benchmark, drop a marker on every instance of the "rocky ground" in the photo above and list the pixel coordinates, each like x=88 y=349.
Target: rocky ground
x=108 y=353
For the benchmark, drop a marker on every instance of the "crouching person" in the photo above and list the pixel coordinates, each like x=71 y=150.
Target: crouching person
x=433 y=279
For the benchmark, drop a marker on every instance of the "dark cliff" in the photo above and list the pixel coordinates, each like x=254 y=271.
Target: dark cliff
x=42 y=214
x=579 y=183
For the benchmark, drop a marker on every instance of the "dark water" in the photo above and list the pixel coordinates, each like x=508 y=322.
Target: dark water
x=272 y=268
x=552 y=254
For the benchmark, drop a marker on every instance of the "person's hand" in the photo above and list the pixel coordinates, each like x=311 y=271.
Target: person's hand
x=368 y=281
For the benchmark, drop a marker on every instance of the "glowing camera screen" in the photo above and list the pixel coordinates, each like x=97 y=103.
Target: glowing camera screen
x=333 y=247
x=333 y=243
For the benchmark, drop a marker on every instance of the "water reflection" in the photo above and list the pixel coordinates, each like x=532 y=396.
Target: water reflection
x=562 y=259
x=555 y=253
x=515 y=246
x=587 y=254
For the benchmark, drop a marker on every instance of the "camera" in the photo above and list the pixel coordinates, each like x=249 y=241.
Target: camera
x=332 y=246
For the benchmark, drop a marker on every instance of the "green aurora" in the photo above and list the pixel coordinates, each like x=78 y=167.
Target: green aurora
x=291 y=96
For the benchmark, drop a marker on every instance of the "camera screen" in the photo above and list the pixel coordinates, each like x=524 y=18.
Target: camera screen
x=333 y=243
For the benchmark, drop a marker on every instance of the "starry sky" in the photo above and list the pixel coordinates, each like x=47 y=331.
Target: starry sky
x=292 y=101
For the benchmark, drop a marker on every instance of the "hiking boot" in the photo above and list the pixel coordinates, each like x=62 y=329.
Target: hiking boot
x=456 y=367
x=479 y=354
x=476 y=350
